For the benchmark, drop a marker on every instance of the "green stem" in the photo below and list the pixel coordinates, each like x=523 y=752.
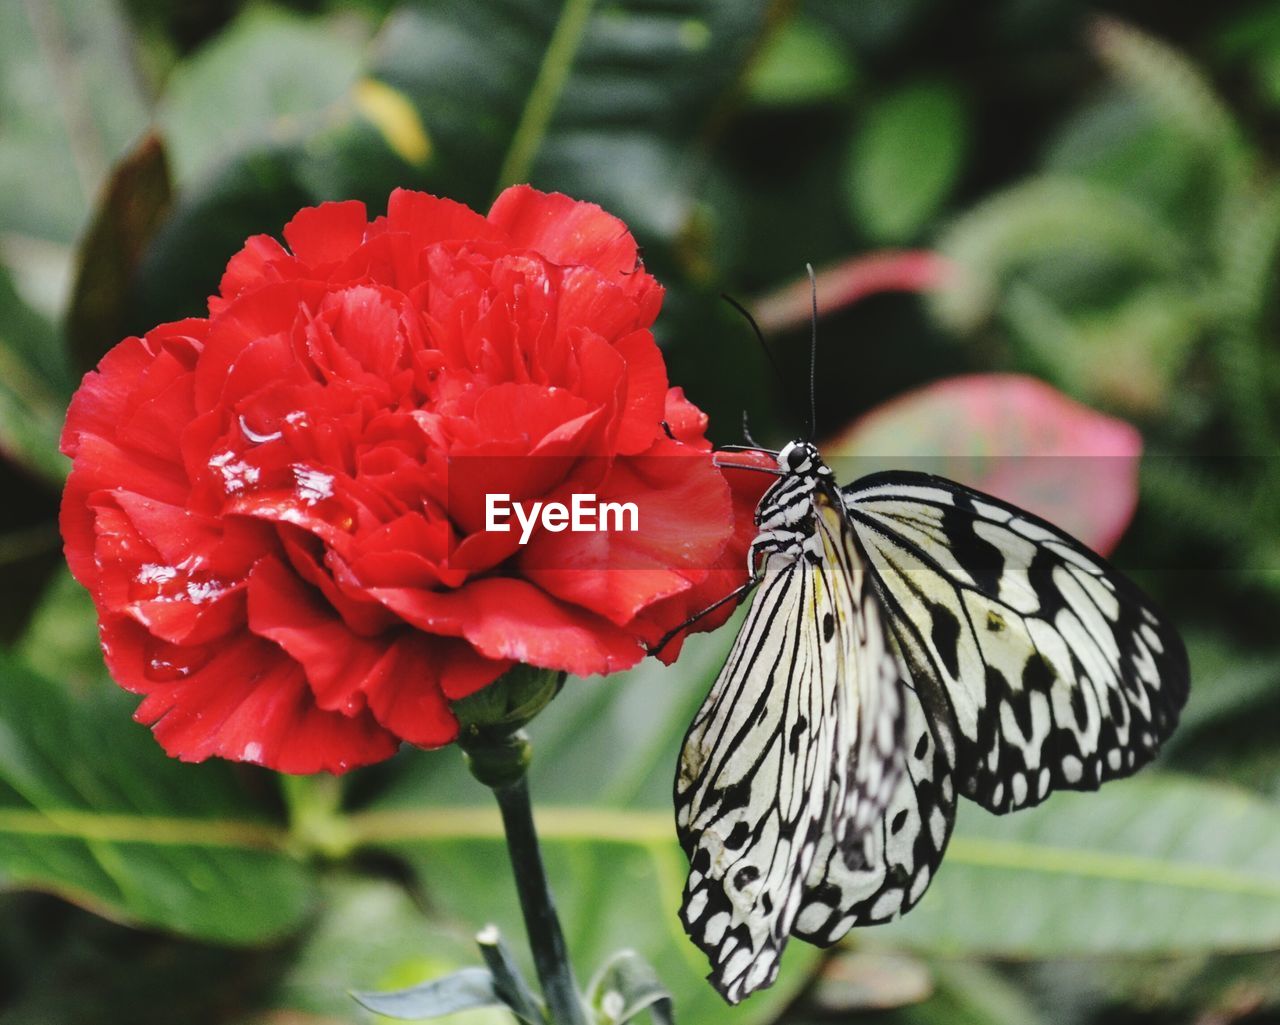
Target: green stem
x=557 y=62
x=316 y=824
x=500 y=765
x=550 y=954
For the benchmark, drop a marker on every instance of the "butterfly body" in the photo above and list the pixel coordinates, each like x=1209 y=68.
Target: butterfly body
x=910 y=641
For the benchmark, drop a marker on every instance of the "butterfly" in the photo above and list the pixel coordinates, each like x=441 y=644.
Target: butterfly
x=910 y=641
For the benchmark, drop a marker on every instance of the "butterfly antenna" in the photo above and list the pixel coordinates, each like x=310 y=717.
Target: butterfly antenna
x=813 y=353
x=777 y=370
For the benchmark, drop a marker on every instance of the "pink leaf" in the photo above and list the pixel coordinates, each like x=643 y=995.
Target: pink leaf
x=1013 y=437
x=845 y=283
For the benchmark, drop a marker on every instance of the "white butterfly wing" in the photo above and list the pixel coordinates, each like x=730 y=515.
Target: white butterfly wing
x=878 y=875
x=753 y=786
x=1053 y=670
x=1034 y=666
x=868 y=672
x=798 y=737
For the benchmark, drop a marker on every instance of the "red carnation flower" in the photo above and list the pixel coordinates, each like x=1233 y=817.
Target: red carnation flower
x=275 y=507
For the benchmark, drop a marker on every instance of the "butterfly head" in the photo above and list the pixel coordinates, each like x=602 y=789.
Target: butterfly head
x=801 y=458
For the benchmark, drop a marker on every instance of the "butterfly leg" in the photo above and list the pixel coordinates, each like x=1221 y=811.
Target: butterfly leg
x=737 y=594
x=763 y=544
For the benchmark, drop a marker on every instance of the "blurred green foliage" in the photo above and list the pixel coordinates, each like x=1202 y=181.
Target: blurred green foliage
x=1107 y=187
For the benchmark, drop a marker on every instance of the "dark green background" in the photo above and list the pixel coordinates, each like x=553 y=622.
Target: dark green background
x=1104 y=174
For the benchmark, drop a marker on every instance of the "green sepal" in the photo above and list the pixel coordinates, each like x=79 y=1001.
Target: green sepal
x=507 y=704
x=490 y=721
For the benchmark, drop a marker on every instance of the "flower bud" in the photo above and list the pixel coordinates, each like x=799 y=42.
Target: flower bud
x=491 y=720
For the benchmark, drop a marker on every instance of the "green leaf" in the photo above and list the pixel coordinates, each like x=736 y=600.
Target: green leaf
x=255 y=194
x=455 y=97
x=1174 y=86
x=1251 y=33
x=33 y=387
x=61 y=641
x=568 y=95
x=370 y=934
x=1153 y=865
x=625 y=987
x=1067 y=226
x=1118 y=142
x=249 y=150
x=91 y=809
x=904 y=161
x=270 y=77
x=69 y=108
x=1248 y=240
x=1129 y=356
x=32 y=341
x=120 y=974
x=1230 y=684
x=464 y=990
x=604 y=756
x=134 y=204
x=801 y=64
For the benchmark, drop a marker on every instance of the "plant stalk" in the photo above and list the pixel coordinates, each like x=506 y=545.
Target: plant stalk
x=500 y=765
x=550 y=954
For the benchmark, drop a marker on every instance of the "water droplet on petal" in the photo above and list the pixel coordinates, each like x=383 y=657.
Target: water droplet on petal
x=255 y=437
x=312 y=485
x=168 y=663
x=236 y=473
x=152 y=573
x=202 y=591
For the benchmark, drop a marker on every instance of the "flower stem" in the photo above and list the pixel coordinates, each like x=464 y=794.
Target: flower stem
x=550 y=955
x=500 y=765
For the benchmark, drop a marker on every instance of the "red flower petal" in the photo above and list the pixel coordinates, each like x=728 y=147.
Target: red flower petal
x=104 y=393
x=259 y=261
x=405 y=695
x=687 y=422
x=564 y=230
x=429 y=219
x=284 y=610
x=511 y=619
x=403 y=681
x=361 y=613
x=619 y=573
x=247 y=702
x=101 y=464
x=645 y=402
x=148 y=428
x=326 y=233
